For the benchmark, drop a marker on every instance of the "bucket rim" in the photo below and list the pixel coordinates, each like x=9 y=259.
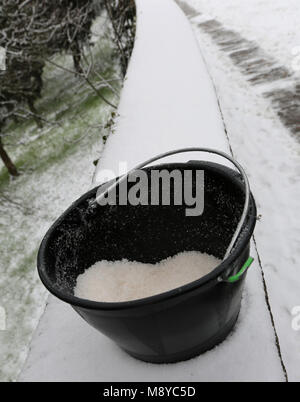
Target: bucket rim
x=208 y=280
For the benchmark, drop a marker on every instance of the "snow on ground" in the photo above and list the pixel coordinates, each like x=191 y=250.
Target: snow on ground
x=271 y=157
x=57 y=167
x=22 y=294
x=271 y=23
x=167 y=102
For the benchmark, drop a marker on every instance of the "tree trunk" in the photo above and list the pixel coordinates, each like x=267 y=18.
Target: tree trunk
x=7 y=161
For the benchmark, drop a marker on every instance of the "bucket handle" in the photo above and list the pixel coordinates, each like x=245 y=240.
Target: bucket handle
x=196 y=149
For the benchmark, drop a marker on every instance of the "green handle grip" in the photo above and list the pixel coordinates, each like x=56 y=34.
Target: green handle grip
x=235 y=278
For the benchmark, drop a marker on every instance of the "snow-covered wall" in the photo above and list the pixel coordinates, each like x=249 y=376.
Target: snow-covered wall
x=168 y=100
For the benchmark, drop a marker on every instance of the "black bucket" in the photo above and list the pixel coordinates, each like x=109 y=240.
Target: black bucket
x=178 y=324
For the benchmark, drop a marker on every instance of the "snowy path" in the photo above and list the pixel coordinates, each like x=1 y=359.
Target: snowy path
x=276 y=82
x=168 y=101
x=270 y=153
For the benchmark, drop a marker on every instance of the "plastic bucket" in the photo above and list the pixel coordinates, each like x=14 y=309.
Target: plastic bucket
x=174 y=325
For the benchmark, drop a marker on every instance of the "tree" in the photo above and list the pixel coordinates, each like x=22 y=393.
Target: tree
x=122 y=14
x=72 y=32
x=12 y=170
x=32 y=31
x=7 y=109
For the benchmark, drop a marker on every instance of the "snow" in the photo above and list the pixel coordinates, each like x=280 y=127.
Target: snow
x=57 y=166
x=22 y=294
x=271 y=23
x=271 y=157
x=80 y=353
x=168 y=101
x=118 y=281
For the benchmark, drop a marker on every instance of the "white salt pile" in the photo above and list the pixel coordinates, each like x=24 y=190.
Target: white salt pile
x=118 y=281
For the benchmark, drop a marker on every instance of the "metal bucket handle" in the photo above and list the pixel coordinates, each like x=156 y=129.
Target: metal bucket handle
x=195 y=149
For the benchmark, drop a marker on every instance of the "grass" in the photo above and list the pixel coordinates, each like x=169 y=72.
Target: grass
x=67 y=103
x=56 y=164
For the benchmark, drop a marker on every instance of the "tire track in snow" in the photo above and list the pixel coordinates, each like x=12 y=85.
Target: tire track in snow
x=262 y=70
x=259 y=68
x=267 y=298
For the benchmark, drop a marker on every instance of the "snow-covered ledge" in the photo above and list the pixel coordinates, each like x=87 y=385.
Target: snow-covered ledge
x=167 y=102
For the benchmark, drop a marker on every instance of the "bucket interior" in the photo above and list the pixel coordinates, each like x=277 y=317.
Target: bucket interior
x=144 y=233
